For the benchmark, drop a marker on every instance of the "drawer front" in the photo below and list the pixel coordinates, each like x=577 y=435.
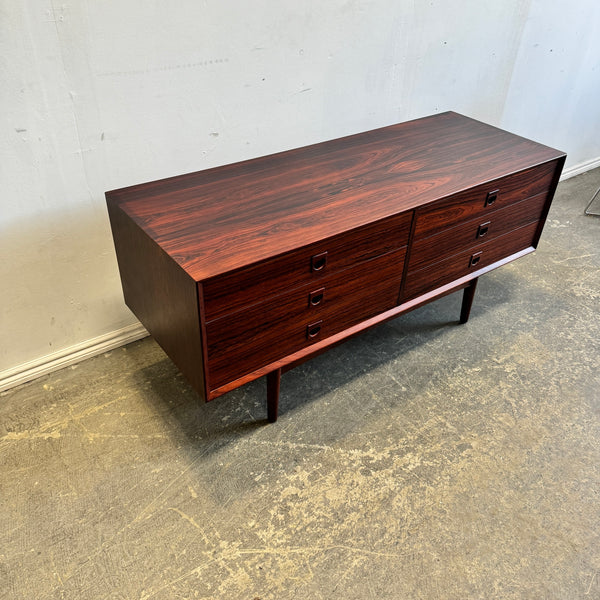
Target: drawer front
x=249 y=339
x=424 y=280
x=248 y=286
x=429 y=250
x=482 y=200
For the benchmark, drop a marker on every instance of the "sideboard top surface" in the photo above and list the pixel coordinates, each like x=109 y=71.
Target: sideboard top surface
x=223 y=218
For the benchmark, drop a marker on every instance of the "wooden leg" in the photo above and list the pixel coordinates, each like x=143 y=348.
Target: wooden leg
x=273 y=381
x=467 y=301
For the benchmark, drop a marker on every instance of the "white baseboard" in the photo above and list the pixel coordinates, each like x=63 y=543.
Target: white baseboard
x=580 y=168
x=71 y=355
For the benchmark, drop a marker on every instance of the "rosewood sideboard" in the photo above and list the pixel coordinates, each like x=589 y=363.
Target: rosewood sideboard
x=250 y=268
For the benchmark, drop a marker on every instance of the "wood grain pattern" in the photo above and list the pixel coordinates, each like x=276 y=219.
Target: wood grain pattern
x=459 y=265
x=228 y=217
x=256 y=283
x=472 y=203
x=291 y=360
x=248 y=339
x=250 y=268
x=161 y=295
x=454 y=239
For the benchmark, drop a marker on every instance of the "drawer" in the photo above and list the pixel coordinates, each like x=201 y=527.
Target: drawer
x=310 y=264
x=460 y=265
x=249 y=339
x=482 y=200
x=429 y=250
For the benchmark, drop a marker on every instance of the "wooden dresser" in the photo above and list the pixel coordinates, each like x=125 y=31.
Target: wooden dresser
x=248 y=269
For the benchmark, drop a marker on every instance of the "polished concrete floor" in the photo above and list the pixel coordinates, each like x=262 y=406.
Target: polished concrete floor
x=423 y=459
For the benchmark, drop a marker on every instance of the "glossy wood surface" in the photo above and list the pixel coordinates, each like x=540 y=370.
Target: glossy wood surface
x=470 y=234
x=257 y=283
x=248 y=339
x=296 y=358
x=472 y=203
x=228 y=217
x=162 y=296
x=248 y=269
x=420 y=281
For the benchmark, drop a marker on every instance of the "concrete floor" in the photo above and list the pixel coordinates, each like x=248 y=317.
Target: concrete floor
x=421 y=460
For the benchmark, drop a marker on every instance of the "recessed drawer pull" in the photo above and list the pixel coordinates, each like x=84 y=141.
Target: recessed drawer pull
x=318 y=262
x=491 y=197
x=483 y=229
x=313 y=330
x=475 y=259
x=315 y=298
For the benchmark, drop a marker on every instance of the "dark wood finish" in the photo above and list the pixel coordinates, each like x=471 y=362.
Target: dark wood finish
x=290 y=361
x=467 y=301
x=162 y=296
x=217 y=220
x=255 y=283
x=427 y=250
x=460 y=265
x=243 y=341
x=473 y=204
x=273 y=384
x=247 y=269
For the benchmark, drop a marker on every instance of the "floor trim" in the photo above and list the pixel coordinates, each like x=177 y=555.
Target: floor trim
x=73 y=354
x=580 y=168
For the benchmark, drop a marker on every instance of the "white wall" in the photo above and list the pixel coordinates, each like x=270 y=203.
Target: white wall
x=99 y=95
x=554 y=92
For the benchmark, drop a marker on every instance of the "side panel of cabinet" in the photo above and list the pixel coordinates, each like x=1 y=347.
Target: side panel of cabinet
x=161 y=295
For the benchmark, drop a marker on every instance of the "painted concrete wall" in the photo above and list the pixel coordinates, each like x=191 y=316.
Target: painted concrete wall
x=101 y=95
x=554 y=92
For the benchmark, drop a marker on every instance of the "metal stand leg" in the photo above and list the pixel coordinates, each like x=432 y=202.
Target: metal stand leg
x=587 y=208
